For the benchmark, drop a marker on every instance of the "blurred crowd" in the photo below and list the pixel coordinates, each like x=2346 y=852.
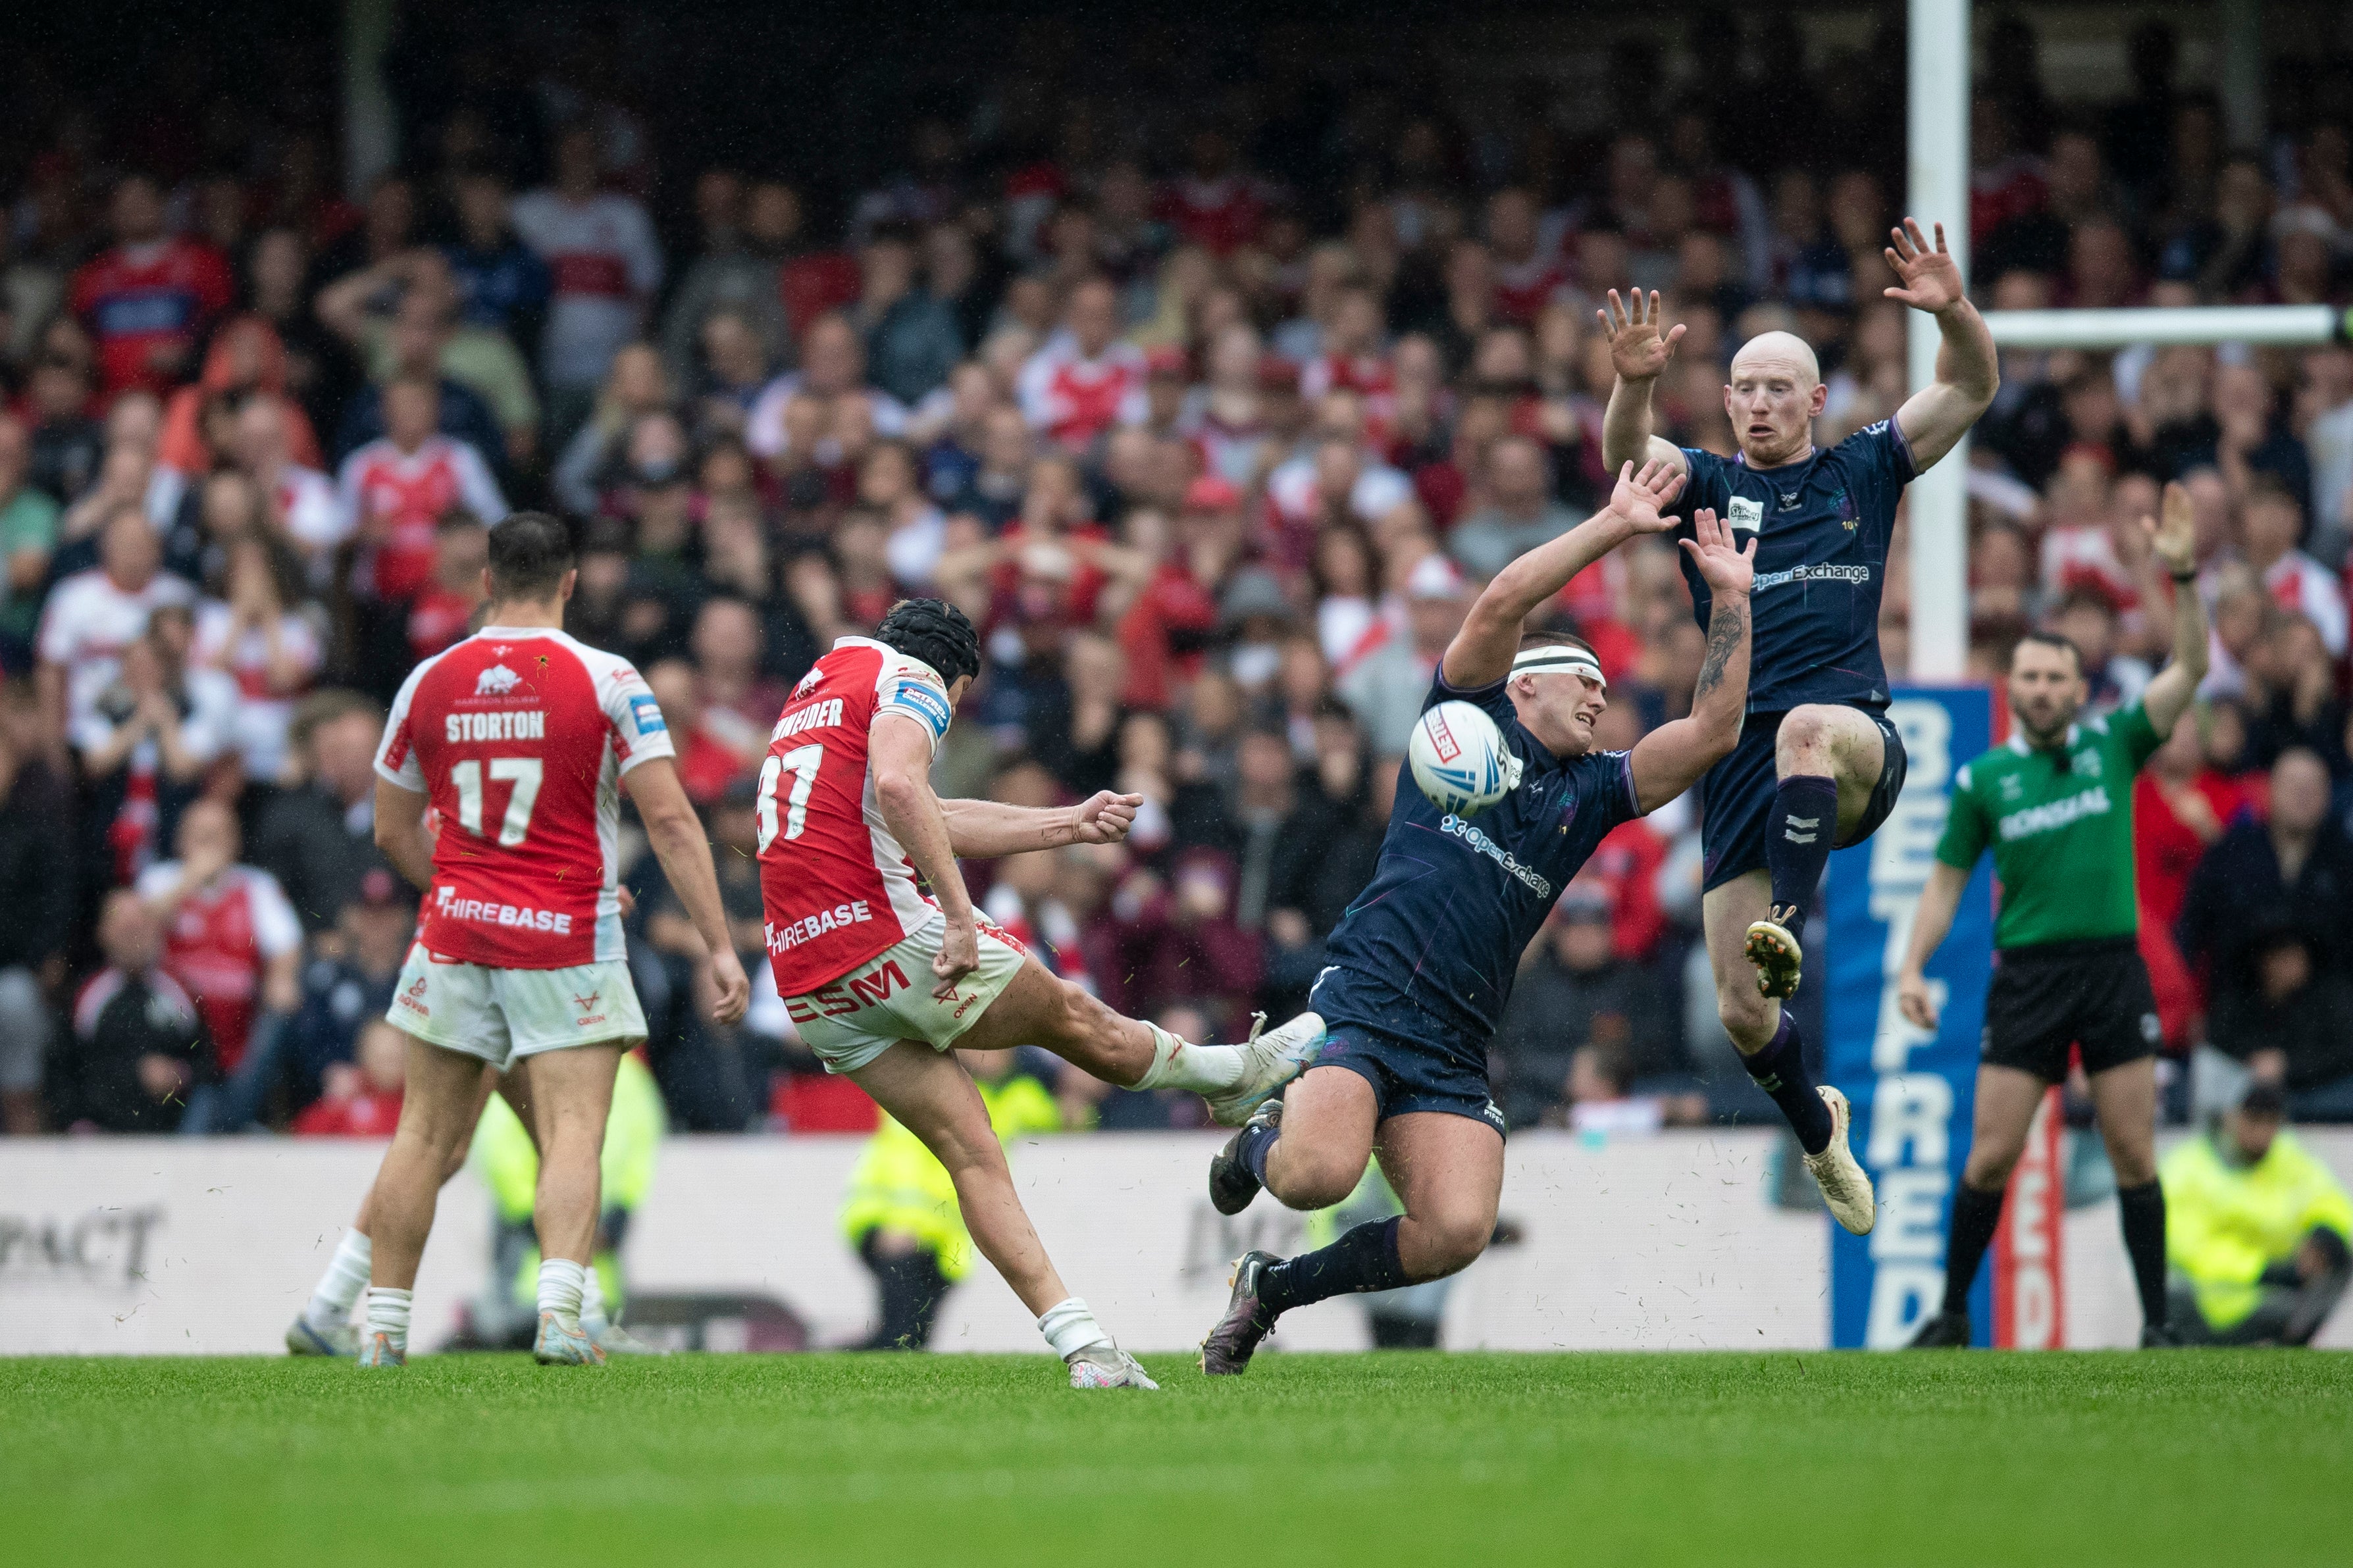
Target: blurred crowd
x=1216 y=459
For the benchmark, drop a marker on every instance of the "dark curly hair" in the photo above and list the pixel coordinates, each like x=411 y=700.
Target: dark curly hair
x=935 y=631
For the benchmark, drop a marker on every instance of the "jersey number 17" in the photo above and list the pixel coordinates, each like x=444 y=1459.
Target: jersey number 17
x=802 y=763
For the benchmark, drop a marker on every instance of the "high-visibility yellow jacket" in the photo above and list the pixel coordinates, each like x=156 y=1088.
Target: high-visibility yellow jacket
x=897 y=1184
x=2226 y=1223
x=633 y=1133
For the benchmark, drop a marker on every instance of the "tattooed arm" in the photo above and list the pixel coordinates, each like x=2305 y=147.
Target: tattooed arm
x=1670 y=758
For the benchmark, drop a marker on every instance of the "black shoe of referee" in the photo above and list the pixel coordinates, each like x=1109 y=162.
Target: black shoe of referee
x=1945 y=1331
x=1231 y=1185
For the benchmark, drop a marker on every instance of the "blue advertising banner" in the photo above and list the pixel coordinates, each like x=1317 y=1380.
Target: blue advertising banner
x=1913 y=1091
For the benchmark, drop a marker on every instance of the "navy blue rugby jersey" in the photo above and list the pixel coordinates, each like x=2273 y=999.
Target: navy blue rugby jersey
x=1822 y=528
x=1429 y=951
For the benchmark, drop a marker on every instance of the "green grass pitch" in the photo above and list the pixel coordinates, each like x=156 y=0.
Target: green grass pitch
x=940 y=1461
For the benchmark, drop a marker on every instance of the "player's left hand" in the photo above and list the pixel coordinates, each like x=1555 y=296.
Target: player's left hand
x=2175 y=538
x=733 y=991
x=1726 y=567
x=1641 y=498
x=1931 y=279
x=1103 y=817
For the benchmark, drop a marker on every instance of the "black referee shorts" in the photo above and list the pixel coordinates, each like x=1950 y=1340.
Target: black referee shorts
x=2054 y=995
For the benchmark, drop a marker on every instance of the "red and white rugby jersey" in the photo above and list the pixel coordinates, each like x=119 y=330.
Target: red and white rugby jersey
x=1523 y=289
x=1074 y=399
x=520 y=736
x=220 y=938
x=606 y=262
x=837 y=886
x=90 y=620
x=404 y=497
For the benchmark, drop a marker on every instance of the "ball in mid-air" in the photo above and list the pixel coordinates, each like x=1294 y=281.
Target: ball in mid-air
x=1459 y=759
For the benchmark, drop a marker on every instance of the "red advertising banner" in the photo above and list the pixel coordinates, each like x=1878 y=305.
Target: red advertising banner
x=2029 y=1302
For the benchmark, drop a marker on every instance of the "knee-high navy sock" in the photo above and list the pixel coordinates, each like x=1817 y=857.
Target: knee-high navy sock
x=1975 y=1216
x=1797 y=838
x=1258 y=1142
x=1366 y=1259
x=1780 y=1070
x=2142 y=1209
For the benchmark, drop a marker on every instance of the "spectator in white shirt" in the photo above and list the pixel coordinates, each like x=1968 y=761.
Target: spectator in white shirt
x=92 y=617
x=2271 y=522
x=600 y=246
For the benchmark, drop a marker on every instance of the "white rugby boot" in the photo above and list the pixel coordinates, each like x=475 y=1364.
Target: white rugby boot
x=1105 y=1365
x=564 y=1343
x=1846 y=1186
x=301 y=1338
x=1271 y=1060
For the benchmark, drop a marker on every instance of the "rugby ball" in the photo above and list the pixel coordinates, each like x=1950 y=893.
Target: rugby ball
x=1459 y=759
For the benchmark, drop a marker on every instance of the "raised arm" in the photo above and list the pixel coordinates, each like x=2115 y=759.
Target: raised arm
x=1481 y=653
x=1670 y=758
x=1640 y=356
x=1933 y=420
x=1932 y=919
x=985 y=829
x=2174 y=543
x=676 y=835
x=899 y=749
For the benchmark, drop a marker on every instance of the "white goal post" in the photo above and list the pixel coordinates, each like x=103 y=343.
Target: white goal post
x=1937 y=116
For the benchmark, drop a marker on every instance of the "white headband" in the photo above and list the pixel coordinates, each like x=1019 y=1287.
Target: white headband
x=1560 y=657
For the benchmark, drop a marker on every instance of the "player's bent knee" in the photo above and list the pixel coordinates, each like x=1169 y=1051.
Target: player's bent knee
x=1803 y=731
x=1447 y=1245
x=1303 y=1179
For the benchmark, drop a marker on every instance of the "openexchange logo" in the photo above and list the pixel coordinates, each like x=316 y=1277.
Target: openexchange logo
x=1823 y=574
x=1538 y=885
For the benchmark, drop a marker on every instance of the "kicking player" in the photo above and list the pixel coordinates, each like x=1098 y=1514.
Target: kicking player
x=2054 y=804
x=1423 y=960
x=1819 y=766
x=520 y=737
x=881 y=980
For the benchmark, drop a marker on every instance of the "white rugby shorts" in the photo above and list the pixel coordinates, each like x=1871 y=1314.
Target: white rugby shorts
x=500 y=1015
x=889 y=998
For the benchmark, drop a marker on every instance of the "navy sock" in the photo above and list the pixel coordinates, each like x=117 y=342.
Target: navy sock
x=1975 y=1216
x=1780 y=1070
x=1258 y=1142
x=1797 y=838
x=1366 y=1259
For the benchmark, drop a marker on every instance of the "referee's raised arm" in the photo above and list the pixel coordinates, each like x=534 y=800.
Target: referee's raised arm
x=2174 y=543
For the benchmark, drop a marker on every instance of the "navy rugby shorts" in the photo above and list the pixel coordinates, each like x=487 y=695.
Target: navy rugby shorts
x=1739 y=797
x=1408 y=1075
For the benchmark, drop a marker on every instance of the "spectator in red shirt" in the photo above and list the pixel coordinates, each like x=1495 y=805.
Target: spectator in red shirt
x=148 y=298
x=361 y=1098
x=706 y=763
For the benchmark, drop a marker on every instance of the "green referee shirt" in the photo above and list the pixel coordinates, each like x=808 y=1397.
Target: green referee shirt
x=2062 y=841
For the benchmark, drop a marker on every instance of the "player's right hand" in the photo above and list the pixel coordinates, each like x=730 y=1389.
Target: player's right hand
x=1641 y=498
x=1637 y=351
x=733 y=991
x=1915 y=1001
x=958 y=956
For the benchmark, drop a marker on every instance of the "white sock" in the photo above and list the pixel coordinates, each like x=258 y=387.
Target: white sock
x=1204 y=1069
x=591 y=1300
x=1070 y=1327
x=339 y=1286
x=560 y=1287
x=387 y=1314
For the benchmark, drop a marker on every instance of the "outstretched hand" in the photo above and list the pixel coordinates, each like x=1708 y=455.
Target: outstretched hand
x=1641 y=498
x=1637 y=351
x=1726 y=567
x=1931 y=279
x=2175 y=540
x=1103 y=817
